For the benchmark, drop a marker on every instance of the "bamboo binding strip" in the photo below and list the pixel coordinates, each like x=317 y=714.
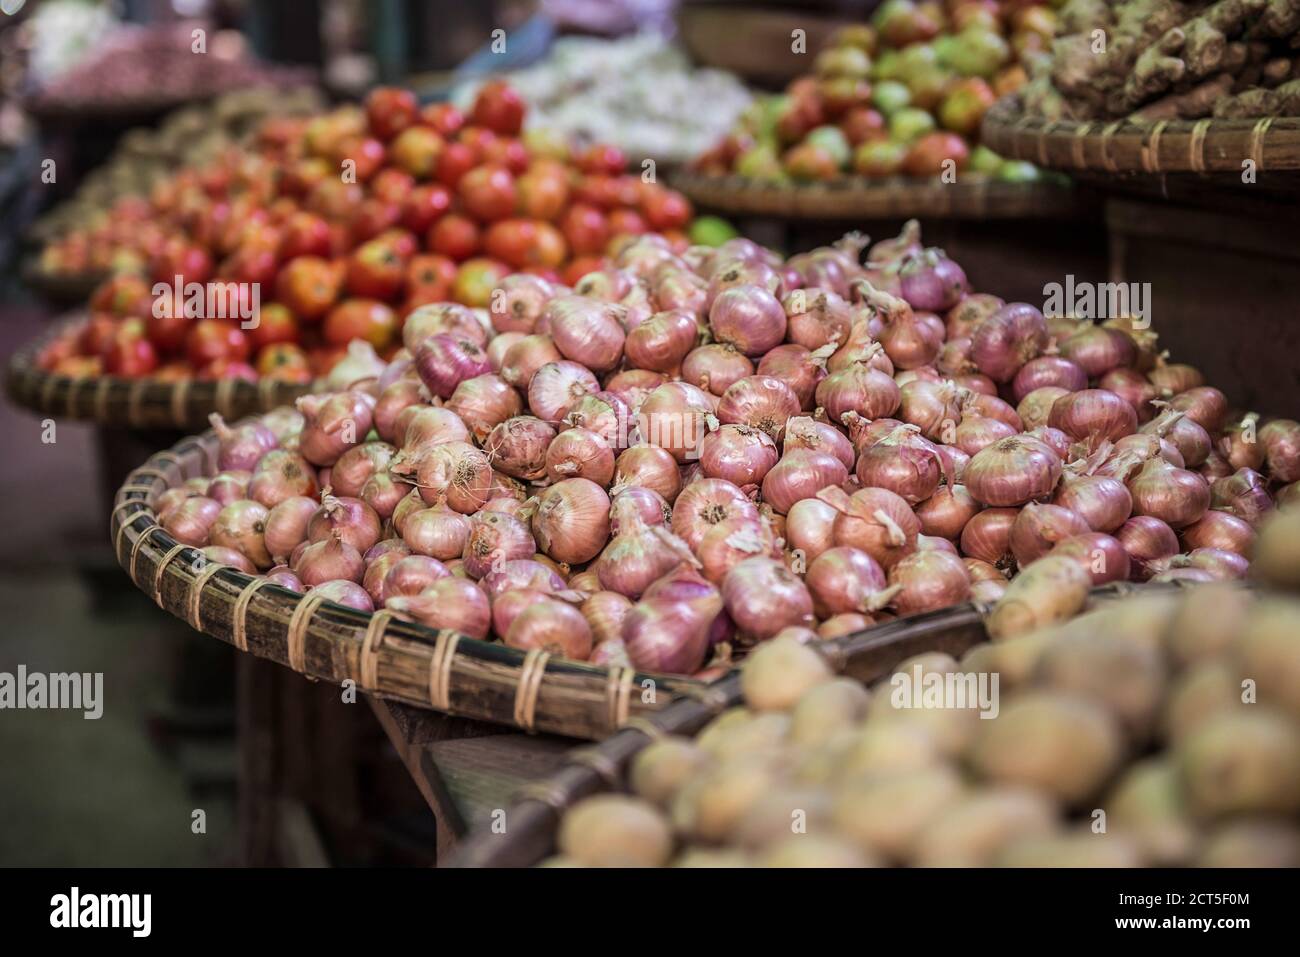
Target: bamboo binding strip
x=1202 y=146
x=972 y=196
x=384 y=655
x=183 y=404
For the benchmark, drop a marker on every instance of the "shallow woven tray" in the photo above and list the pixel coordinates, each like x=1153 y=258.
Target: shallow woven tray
x=867 y=657
x=1124 y=146
x=67 y=290
x=136 y=403
x=971 y=197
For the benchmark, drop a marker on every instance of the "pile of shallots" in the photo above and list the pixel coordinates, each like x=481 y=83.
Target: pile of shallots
x=697 y=450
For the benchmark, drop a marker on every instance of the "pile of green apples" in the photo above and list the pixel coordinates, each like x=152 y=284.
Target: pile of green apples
x=902 y=95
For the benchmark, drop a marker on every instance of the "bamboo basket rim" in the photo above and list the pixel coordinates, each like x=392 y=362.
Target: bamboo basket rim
x=69 y=289
x=143 y=403
x=1154 y=147
x=973 y=196
x=536 y=810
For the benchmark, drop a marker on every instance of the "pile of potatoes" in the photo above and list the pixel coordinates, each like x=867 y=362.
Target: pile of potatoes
x=1157 y=730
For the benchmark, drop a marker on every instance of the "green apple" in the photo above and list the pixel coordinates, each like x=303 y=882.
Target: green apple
x=833 y=141
x=759 y=162
x=978 y=52
x=908 y=123
x=1018 y=171
x=984 y=160
x=890 y=96
x=710 y=231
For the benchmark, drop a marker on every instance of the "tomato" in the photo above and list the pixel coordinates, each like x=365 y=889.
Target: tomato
x=665 y=208
x=181 y=258
x=228 y=369
x=390 y=110
x=372 y=218
x=430 y=275
x=416 y=150
x=445 y=119
x=305 y=234
x=626 y=222
x=863 y=125
x=424 y=206
x=476 y=279
x=129 y=352
x=488 y=192
x=96 y=334
x=585 y=228
x=608 y=192
x=300 y=177
x=309 y=286
x=120 y=295
x=212 y=339
x=525 y=242
x=392 y=185
x=284 y=361
x=602 y=158
x=249 y=264
x=402 y=240
x=499 y=108
x=507 y=152
x=478 y=139
x=455 y=160
x=364 y=153
x=365 y=319
x=275 y=324
x=454 y=235
x=542 y=194
x=930 y=154
x=335 y=199
x=579 y=267
x=375 y=271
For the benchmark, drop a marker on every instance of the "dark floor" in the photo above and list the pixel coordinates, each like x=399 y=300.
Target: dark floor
x=121 y=790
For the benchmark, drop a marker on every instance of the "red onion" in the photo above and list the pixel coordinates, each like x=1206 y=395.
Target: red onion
x=556 y=386
x=809 y=529
x=861 y=389
x=335 y=423
x=804 y=432
x=499 y=346
x=580 y=453
x=522 y=360
x=521 y=573
x=987 y=536
x=229 y=556
x=633 y=385
x=1173 y=378
x=760 y=402
x=377 y=569
x=928 y=279
x=240 y=447
x=454 y=472
x=1093 y=416
x=1224 y=565
x=704 y=504
x=762 y=596
x=1191 y=441
x=444 y=361
x=1102 y=556
x=190 y=522
x=1036 y=407
x=412 y=574
x=637 y=557
x=173 y=497
x=632 y=506
x=1013 y=471
x=1220 y=530
x=1281 y=441
x=329 y=559
x=492 y=539
x=286 y=525
x=740 y=454
x=439 y=532
x=609 y=285
x=934 y=407
x=605 y=611
x=1173 y=495
x=356 y=465
x=229 y=486
x=350 y=518
x=1039 y=527
x=743 y=274
x=1097 y=350
x=586 y=331
x=991 y=407
x=1007 y=339
x=946 y=512
x=798 y=368
x=283 y=576
x=422 y=426
x=518 y=301
x=928 y=580
x=681 y=291
x=651 y=467
x=606 y=414
x=902 y=462
x=1204 y=405
x=1146 y=539
x=799 y=474
x=484 y=402
x=874 y=520
x=908 y=340
x=675 y=417
x=508 y=606
x=729 y=543
x=382 y=492
x=715 y=367
x=1100 y=500
x=662 y=341
x=453 y=603
x=844 y=580
x=663 y=635
x=973 y=309
x=392 y=402
x=346 y=593
x=1239 y=446
x=749 y=318
x=241 y=526
x=518 y=447
x=1244 y=494
x=817 y=317
x=977 y=432
x=442 y=317
x=1049 y=371
x=861 y=349
x=553 y=627
x=571 y=523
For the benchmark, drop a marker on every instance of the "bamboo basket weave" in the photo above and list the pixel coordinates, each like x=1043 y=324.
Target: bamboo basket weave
x=1123 y=146
x=143 y=403
x=971 y=197
x=383 y=655
x=869 y=656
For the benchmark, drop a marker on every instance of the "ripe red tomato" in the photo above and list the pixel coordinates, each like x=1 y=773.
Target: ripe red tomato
x=366 y=153
x=309 y=286
x=862 y=124
x=585 y=228
x=213 y=339
x=373 y=216
x=445 y=119
x=129 y=352
x=424 y=206
x=121 y=295
x=626 y=222
x=250 y=263
x=665 y=208
x=456 y=236
x=228 y=369
x=499 y=108
x=181 y=258
x=602 y=158
x=305 y=234
x=284 y=361
x=97 y=333
x=542 y=193
x=335 y=199
x=508 y=152
x=525 y=242
x=416 y=151
x=402 y=240
x=390 y=110
x=488 y=192
x=301 y=177
x=275 y=324
x=393 y=185
x=479 y=139
x=365 y=319
x=579 y=267
x=475 y=281
x=455 y=160
x=375 y=271
x=430 y=275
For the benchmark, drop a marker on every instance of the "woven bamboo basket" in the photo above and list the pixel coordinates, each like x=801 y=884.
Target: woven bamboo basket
x=69 y=290
x=1123 y=146
x=971 y=197
x=183 y=405
x=867 y=657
